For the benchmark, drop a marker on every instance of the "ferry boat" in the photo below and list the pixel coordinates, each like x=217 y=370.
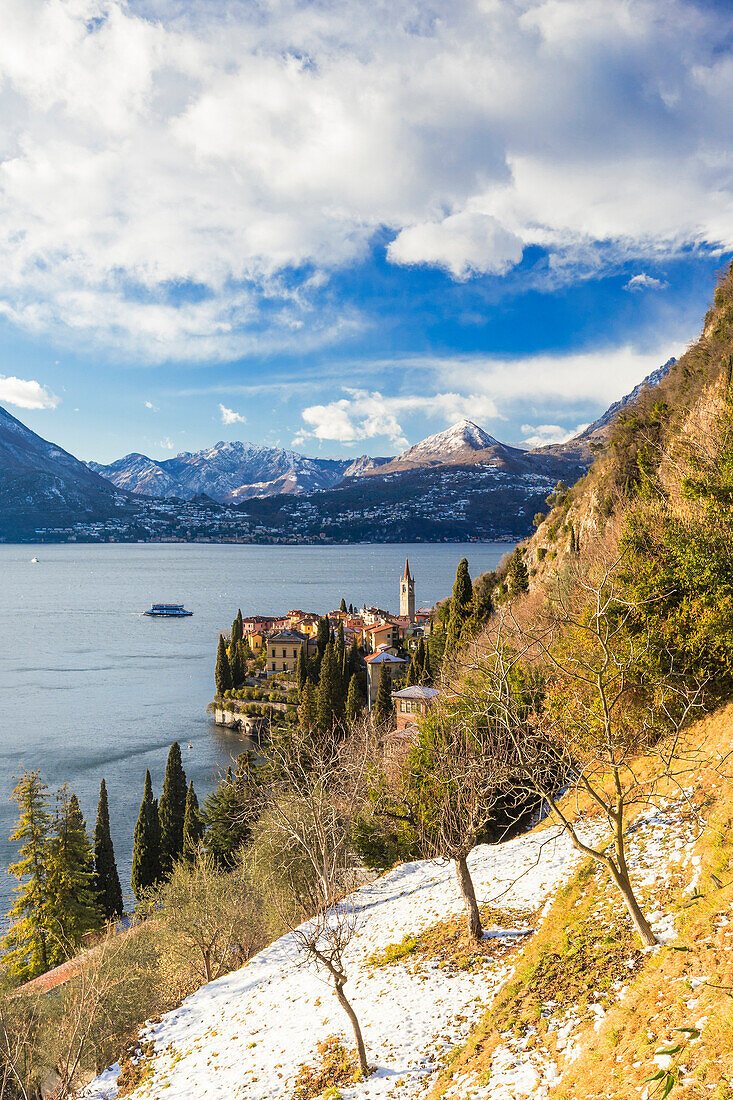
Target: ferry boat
x=168 y=611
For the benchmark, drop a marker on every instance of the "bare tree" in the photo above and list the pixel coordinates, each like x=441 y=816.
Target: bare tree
x=316 y=793
x=210 y=920
x=576 y=703
x=454 y=792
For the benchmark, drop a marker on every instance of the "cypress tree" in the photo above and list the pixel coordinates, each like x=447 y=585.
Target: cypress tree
x=340 y=644
x=330 y=699
x=223 y=673
x=323 y=635
x=26 y=943
x=237 y=630
x=172 y=810
x=383 y=708
x=146 y=847
x=343 y=605
x=411 y=677
x=237 y=664
x=351 y=609
x=106 y=880
x=460 y=605
x=301 y=668
x=72 y=901
x=193 y=825
x=355 y=698
x=353 y=658
x=518 y=576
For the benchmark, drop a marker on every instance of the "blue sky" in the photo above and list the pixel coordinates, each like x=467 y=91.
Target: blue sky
x=342 y=226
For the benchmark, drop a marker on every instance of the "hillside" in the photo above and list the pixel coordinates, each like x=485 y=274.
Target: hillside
x=558 y=987
x=42 y=483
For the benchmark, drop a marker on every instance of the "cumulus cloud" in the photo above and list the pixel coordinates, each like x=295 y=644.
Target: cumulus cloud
x=183 y=186
x=642 y=281
x=541 y=435
x=167 y=444
x=463 y=244
x=368 y=415
x=26 y=394
x=229 y=416
x=151 y=406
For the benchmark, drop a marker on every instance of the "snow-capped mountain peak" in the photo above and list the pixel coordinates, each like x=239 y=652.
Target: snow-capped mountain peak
x=463 y=435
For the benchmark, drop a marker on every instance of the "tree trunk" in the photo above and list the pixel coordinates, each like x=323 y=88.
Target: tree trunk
x=363 y=1064
x=465 y=885
x=641 y=924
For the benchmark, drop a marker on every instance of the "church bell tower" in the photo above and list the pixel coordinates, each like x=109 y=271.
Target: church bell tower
x=407 y=594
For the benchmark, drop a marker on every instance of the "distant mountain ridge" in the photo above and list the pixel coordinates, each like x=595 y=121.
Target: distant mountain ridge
x=229 y=472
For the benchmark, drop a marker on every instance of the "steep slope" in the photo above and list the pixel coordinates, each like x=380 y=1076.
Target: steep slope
x=584 y=446
x=41 y=483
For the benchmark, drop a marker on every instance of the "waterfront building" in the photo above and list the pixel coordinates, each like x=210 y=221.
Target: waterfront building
x=283 y=648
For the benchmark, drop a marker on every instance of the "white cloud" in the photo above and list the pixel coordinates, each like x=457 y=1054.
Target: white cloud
x=167 y=444
x=229 y=416
x=464 y=244
x=151 y=406
x=368 y=415
x=274 y=141
x=541 y=435
x=642 y=281
x=26 y=394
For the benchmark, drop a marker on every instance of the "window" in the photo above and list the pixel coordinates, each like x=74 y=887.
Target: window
x=403 y=706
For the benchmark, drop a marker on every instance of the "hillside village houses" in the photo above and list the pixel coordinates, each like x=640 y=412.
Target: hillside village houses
x=378 y=633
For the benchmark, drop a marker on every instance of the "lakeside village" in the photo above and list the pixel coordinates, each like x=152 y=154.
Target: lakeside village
x=301 y=667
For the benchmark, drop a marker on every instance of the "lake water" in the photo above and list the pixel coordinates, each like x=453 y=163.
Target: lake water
x=91 y=688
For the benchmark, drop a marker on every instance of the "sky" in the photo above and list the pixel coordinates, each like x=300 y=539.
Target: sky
x=341 y=225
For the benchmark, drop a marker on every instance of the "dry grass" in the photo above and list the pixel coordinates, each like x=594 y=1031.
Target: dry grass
x=337 y=1065
x=448 y=943
x=585 y=955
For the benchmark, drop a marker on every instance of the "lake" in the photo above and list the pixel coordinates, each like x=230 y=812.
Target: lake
x=91 y=688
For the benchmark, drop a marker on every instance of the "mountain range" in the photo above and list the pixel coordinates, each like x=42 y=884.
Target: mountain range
x=461 y=482
x=235 y=471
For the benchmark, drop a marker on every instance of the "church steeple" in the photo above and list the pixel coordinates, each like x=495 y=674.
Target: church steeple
x=407 y=594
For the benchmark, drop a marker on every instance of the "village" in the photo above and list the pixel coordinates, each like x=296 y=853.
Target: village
x=375 y=648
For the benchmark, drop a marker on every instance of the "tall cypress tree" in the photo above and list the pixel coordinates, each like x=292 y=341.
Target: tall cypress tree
x=383 y=709
x=72 y=902
x=301 y=668
x=172 y=810
x=355 y=698
x=106 y=880
x=330 y=699
x=237 y=630
x=26 y=943
x=460 y=606
x=323 y=635
x=223 y=673
x=427 y=672
x=146 y=847
x=517 y=576
x=237 y=664
x=343 y=604
x=353 y=658
x=193 y=825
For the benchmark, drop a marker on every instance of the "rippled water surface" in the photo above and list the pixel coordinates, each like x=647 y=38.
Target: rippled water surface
x=90 y=688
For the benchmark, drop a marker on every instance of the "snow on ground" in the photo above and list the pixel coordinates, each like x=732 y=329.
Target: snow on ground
x=245 y=1036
